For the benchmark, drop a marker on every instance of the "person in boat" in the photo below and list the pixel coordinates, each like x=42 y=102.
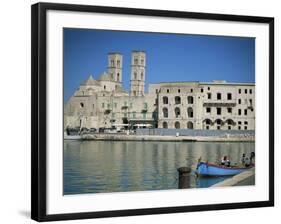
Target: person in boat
x=243 y=159
x=247 y=162
x=225 y=161
x=252 y=158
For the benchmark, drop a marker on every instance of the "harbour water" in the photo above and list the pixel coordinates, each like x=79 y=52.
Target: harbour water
x=119 y=166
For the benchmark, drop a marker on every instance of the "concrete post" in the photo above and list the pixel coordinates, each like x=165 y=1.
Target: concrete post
x=184 y=177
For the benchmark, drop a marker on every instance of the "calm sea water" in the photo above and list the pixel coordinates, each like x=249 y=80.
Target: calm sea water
x=104 y=166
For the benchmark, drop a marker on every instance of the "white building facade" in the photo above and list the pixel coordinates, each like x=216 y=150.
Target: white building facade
x=103 y=103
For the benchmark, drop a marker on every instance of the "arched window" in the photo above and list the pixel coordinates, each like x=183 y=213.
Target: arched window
x=141 y=76
x=81 y=105
x=165 y=100
x=104 y=87
x=190 y=112
x=219 y=122
x=190 y=99
x=189 y=125
x=177 y=100
x=165 y=124
x=118 y=77
x=177 y=125
x=230 y=122
x=135 y=75
x=177 y=112
x=208 y=121
x=165 y=112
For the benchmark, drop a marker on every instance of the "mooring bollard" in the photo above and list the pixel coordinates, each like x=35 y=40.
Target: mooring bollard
x=184 y=177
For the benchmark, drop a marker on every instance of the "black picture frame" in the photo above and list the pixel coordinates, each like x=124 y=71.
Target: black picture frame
x=38 y=108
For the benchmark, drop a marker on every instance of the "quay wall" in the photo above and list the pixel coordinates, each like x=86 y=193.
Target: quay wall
x=194 y=132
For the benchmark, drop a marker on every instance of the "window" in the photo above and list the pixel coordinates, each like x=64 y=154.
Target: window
x=177 y=112
x=190 y=99
x=118 y=77
x=229 y=121
x=208 y=109
x=144 y=115
x=219 y=121
x=118 y=63
x=168 y=90
x=190 y=112
x=177 y=125
x=165 y=100
x=189 y=125
x=202 y=90
x=135 y=75
x=239 y=101
x=165 y=112
x=229 y=96
x=245 y=112
x=239 y=127
x=112 y=63
x=218 y=111
x=81 y=105
x=209 y=96
x=229 y=110
x=177 y=100
x=239 y=91
x=179 y=90
x=142 y=76
x=191 y=90
x=229 y=127
x=245 y=128
x=218 y=96
x=239 y=122
x=104 y=87
x=142 y=61
x=156 y=91
x=246 y=122
x=246 y=91
x=165 y=125
x=135 y=61
x=145 y=105
x=239 y=111
x=208 y=121
x=208 y=87
x=251 y=101
x=250 y=91
x=218 y=127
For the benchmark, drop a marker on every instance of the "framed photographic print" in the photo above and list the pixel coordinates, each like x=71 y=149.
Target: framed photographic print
x=139 y=111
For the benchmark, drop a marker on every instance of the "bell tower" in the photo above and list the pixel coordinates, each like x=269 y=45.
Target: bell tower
x=114 y=68
x=138 y=64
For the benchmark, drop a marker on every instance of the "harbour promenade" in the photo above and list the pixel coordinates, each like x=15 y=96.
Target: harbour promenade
x=114 y=137
x=175 y=135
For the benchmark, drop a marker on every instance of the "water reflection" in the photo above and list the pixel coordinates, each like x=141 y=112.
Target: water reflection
x=104 y=166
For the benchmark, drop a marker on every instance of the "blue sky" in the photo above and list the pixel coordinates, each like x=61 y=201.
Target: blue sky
x=169 y=57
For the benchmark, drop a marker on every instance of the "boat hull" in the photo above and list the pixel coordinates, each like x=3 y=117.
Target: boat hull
x=205 y=169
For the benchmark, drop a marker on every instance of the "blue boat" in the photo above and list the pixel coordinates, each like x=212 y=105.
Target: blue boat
x=208 y=169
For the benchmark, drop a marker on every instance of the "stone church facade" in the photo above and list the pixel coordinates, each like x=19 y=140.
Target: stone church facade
x=103 y=103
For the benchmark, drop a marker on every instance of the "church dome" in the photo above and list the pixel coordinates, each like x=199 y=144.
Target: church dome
x=90 y=82
x=105 y=77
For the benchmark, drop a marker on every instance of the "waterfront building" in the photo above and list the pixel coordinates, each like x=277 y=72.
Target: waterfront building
x=103 y=102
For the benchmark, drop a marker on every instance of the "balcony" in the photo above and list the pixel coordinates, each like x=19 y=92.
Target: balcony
x=229 y=103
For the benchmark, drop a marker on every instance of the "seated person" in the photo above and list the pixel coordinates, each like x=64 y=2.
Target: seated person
x=225 y=161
